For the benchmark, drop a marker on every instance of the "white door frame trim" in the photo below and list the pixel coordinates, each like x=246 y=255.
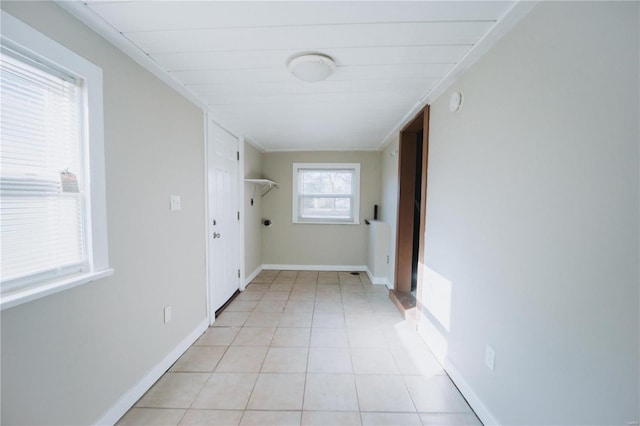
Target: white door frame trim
x=206 y=217
x=241 y=248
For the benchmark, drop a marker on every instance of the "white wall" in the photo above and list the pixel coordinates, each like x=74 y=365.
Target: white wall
x=286 y=243
x=389 y=207
x=67 y=358
x=532 y=220
x=252 y=213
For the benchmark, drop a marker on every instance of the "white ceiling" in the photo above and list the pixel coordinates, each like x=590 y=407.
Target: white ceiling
x=233 y=55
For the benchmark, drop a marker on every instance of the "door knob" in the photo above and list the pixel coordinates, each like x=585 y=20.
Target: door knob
x=216 y=235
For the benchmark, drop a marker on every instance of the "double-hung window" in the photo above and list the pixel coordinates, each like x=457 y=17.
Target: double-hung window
x=52 y=207
x=326 y=193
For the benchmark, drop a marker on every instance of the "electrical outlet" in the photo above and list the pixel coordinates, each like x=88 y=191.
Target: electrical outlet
x=490 y=358
x=167 y=314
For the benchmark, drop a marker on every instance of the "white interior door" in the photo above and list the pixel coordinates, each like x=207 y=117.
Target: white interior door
x=222 y=152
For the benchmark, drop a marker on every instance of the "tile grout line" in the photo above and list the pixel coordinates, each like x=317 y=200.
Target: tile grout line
x=306 y=375
x=253 y=387
x=363 y=300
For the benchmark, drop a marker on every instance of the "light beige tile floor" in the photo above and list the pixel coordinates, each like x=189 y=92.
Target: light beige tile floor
x=306 y=348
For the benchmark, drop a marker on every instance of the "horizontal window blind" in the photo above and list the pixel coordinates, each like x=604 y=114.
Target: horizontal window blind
x=41 y=176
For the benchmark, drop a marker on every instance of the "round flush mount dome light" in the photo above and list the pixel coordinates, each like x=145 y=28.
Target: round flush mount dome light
x=311 y=67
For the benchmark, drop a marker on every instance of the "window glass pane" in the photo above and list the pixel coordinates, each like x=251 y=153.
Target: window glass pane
x=326 y=208
x=40 y=125
x=326 y=182
x=40 y=234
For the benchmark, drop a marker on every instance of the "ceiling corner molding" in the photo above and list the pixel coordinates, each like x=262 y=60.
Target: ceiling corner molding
x=322 y=149
x=87 y=16
x=255 y=144
x=503 y=25
x=392 y=138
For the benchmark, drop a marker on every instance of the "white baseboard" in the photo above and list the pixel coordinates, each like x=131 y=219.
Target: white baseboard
x=437 y=343
x=378 y=280
x=481 y=410
x=339 y=268
x=134 y=393
x=254 y=274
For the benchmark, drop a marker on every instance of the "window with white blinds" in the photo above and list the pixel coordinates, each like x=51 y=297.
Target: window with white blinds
x=41 y=173
x=53 y=227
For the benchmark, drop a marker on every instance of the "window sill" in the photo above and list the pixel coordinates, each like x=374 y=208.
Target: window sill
x=19 y=297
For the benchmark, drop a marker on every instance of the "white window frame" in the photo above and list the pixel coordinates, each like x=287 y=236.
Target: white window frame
x=17 y=34
x=326 y=166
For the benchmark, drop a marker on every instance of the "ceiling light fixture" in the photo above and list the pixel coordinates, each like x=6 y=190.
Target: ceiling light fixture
x=311 y=67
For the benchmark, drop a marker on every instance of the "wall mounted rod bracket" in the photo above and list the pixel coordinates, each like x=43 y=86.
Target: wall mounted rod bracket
x=265 y=186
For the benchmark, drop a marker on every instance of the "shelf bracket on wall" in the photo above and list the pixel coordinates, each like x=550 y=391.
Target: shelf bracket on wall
x=265 y=186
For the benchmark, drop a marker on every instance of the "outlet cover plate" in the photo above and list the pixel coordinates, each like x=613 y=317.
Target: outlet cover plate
x=490 y=358
x=176 y=203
